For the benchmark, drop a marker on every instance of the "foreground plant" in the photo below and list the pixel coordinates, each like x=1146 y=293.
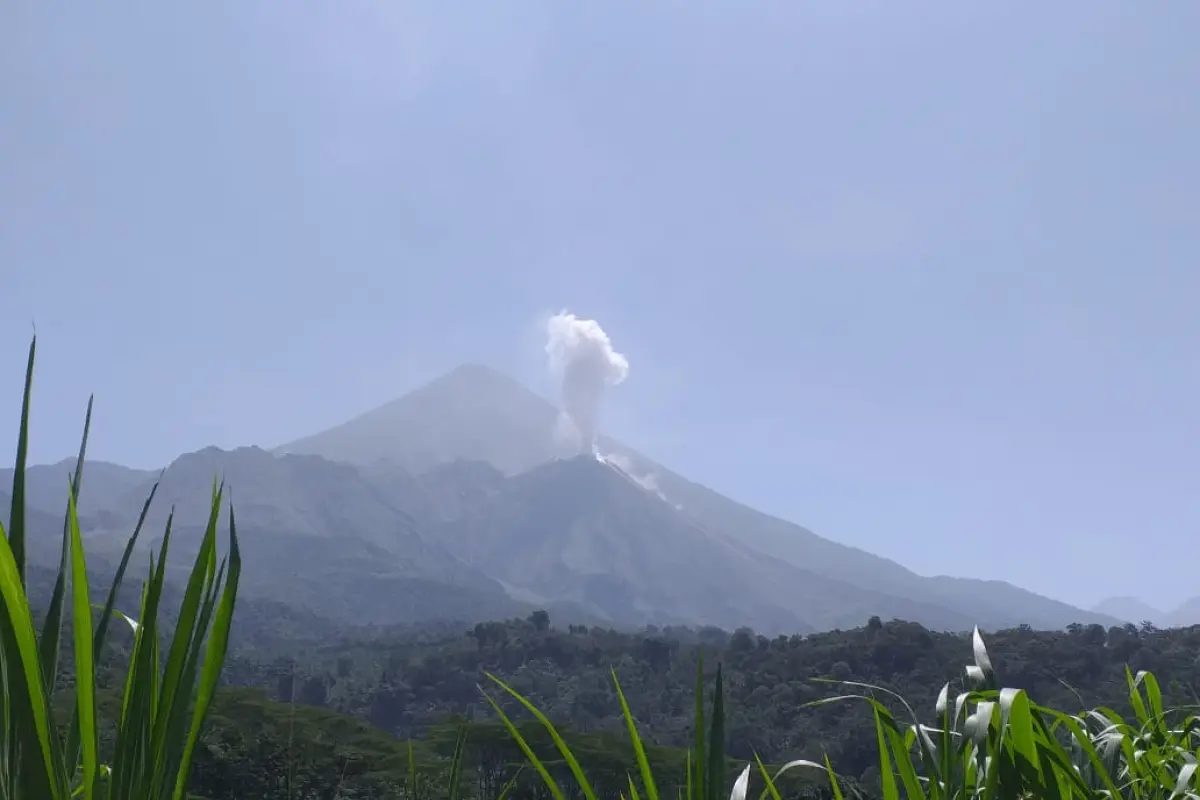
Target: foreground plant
x=986 y=743
x=997 y=743
x=706 y=768
x=163 y=707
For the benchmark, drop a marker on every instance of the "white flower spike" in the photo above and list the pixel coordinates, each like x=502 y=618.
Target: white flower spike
x=740 y=785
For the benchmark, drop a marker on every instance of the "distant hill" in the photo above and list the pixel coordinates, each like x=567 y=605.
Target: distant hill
x=104 y=484
x=1188 y=613
x=1131 y=609
x=477 y=414
x=313 y=533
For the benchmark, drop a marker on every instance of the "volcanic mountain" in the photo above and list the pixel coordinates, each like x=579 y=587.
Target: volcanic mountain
x=458 y=502
x=550 y=528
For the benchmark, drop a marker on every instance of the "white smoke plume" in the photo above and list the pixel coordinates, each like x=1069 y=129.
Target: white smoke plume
x=647 y=480
x=582 y=356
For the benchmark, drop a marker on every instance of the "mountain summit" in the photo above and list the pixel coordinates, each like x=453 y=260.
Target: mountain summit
x=471 y=413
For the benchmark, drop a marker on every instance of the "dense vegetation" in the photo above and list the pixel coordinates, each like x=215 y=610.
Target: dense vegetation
x=143 y=747
x=408 y=682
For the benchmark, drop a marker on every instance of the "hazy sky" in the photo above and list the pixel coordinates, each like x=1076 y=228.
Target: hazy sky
x=923 y=277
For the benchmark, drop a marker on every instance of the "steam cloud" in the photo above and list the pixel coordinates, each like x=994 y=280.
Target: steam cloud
x=582 y=356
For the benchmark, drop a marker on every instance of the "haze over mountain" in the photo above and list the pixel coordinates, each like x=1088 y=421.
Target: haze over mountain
x=1134 y=610
x=312 y=533
x=463 y=500
x=474 y=413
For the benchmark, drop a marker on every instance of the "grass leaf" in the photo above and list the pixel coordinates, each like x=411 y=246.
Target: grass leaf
x=16 y=517
x=85 y=688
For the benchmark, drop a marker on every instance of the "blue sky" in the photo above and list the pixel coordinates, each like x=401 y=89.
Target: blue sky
x=922 y=277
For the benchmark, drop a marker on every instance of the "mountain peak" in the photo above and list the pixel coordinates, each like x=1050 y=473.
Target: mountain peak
x=474 y=372
x=470 y=380
x=472 y=412
x=1128 y=609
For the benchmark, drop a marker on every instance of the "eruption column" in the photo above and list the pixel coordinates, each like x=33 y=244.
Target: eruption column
x=582 y=356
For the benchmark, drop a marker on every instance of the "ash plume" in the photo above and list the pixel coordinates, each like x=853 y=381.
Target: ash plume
x=583 y=358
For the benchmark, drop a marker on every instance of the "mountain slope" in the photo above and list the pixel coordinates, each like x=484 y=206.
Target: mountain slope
x=313 y=533
x=1188 y=613
x=43 y=531
x=474 y=413
x=583 y=531
x=1129 y=609
x=103 y=484
x=1133 y=609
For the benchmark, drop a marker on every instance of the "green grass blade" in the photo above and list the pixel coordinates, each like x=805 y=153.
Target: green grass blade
x=85 y=673
x=24 y=690
x=119 y=577
x=52 y=627
x=1153 y=693
x=1082 y=740
x=768 y=783
x=833 y=781
x=636 y=740
x=1135 y=699
x=887 y=775
x=699 y=764
x=900 y=754
x=456 y=765
x=72 y=752
x=512 y=784
x=172 y=705
x=715 y=780
x=7 y=778
x=547 y=778
x=16 y=517
x=1017 y=719
x=132 y=777
x=412 y=772
x=214 y=658
x=176 y=731
x=572 y=764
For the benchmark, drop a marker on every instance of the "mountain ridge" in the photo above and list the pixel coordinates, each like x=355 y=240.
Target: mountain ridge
x=1135 y=611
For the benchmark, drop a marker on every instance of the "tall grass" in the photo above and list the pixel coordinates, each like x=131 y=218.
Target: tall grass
x=986 y=743
x=989 y=742
x=163 y=705
x=707 y=766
